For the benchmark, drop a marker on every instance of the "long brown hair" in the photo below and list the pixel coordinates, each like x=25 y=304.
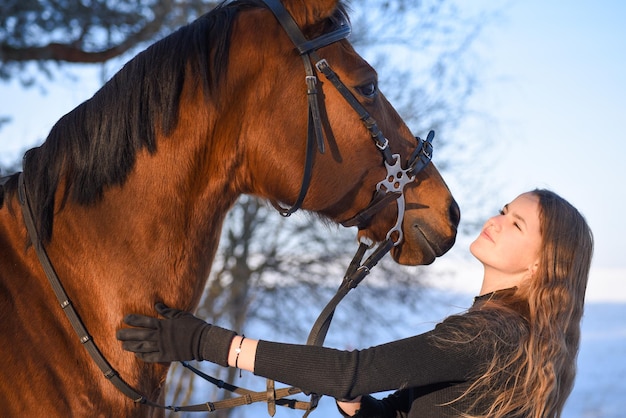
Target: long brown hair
x=538 y=324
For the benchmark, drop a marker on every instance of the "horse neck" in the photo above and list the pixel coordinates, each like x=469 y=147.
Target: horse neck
x=153 y=239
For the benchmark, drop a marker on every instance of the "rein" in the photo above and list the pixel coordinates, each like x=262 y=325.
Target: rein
x=64 y=301
x=272 y=396
x=389 y=189
x=246 y=396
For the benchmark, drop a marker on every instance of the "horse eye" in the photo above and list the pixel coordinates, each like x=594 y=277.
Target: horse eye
x=368 y=90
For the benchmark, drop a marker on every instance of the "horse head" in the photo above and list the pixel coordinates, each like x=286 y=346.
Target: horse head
x=345 y=175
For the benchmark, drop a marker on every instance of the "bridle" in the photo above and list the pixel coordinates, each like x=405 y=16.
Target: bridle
x=389 y=189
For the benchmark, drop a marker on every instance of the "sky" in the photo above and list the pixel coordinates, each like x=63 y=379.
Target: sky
x=554 y=88
x=559 y=94
x=555 y=91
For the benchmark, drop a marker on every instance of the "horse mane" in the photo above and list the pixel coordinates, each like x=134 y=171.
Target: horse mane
x=95 y=145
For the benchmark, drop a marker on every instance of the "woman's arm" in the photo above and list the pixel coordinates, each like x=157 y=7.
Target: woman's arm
x=410 y=362
x=242 y=353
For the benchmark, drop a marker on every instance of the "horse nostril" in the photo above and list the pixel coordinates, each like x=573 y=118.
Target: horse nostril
x=455 y=213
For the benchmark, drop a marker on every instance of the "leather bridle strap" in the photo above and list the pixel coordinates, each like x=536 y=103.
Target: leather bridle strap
x=420 y=157
x=355 y=273
x=307 y=49
x=369 y=122
x=66 y=304
x=314 y=132
x=246 y=396
x=271 y=396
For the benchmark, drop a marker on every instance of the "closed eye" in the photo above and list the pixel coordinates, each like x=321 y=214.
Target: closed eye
x=368 y=90
x=515 y=224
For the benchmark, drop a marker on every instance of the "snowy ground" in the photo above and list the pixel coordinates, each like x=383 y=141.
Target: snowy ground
x=599 y=392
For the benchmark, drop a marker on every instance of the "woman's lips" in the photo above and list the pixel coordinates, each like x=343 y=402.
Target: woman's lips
x=486 y=235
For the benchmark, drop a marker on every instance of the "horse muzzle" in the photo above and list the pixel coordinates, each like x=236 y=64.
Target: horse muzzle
x=424 y=241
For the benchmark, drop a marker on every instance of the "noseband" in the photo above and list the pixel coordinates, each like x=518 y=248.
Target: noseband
x=389 y=189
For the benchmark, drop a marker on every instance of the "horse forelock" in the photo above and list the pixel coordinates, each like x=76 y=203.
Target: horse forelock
x=96 y=144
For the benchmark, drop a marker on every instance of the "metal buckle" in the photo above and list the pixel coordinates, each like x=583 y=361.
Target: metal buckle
x=382 y=147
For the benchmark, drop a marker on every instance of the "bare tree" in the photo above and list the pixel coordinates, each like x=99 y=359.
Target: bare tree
x=50 y=33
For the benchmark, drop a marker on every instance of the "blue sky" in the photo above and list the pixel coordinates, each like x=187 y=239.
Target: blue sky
x=554 y=88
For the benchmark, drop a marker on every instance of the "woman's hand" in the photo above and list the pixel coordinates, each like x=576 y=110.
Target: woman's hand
x=351 y=407
x=179 y=337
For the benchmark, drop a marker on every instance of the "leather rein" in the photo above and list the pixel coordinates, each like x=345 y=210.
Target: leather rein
x=389 y=189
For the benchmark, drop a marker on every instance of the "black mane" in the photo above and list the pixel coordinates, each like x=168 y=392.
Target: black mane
x=95 y=145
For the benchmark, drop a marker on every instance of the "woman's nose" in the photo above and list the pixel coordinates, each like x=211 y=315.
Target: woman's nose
x=493 y=223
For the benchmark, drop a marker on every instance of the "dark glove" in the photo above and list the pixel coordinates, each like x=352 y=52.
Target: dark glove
x=179 y=337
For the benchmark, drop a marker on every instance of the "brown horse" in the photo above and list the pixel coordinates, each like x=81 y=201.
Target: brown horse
x=130 y=189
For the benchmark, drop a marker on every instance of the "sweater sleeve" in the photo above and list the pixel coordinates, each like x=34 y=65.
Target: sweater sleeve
x=410 y=362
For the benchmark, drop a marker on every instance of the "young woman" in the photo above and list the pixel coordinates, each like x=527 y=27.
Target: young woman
x=512 y=354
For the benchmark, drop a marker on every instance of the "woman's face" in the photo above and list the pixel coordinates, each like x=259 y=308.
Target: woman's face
x=509 y=243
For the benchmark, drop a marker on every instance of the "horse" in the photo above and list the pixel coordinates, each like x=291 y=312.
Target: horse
x=129 y=191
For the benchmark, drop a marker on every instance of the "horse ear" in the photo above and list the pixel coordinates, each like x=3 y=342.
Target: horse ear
x=308 y=12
